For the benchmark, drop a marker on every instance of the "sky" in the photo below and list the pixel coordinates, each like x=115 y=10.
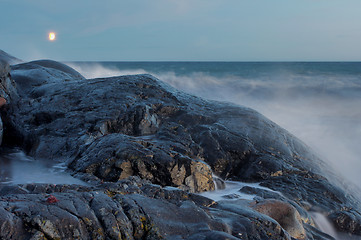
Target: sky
x=182 y=30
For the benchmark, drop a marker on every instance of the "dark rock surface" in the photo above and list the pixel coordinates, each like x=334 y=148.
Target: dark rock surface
x=110 y=129
x=7 y=85
x=5 y=57
x=129 y=209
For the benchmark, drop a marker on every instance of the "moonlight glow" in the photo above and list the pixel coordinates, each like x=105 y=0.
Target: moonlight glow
x=51 y=36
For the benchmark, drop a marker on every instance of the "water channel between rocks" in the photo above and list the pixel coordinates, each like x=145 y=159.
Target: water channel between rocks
x=231 y=190
x=17 y=168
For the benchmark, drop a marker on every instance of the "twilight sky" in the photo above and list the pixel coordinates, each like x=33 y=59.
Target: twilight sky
x=205 y=30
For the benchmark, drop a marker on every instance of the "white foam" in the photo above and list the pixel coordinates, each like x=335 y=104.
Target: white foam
x=323 y=224
x=232 y=191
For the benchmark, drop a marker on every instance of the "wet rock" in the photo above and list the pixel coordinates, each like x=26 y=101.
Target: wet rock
x=109 y=212
x=122 y=156
x=247 y=223
x=285 y=214
x=347 y=221
x=151 y=130
x=213 y=235
x=112 y=217
x=7 y=88
x=4 y=56
x=4 y=69
x=5 y=189
x=109 y=129
x=11 y=226
x=32 y=76
x=263 y=193
x=200 y=179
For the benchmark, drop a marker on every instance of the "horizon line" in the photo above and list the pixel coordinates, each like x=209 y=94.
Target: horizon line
x=215 y=61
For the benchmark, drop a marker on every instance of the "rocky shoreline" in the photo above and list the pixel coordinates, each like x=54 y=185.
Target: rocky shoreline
x=146 y=149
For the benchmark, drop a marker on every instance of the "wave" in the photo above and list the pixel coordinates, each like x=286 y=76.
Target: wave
x=95 y=70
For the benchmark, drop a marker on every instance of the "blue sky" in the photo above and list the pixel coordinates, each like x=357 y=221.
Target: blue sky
x=188 y=30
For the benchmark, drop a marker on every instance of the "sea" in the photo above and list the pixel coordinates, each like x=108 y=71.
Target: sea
x=318 y=102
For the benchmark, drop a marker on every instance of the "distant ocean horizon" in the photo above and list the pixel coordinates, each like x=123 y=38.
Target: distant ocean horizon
x=318 y=102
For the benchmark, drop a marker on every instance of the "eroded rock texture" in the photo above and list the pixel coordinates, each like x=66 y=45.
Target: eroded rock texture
x=129 y=209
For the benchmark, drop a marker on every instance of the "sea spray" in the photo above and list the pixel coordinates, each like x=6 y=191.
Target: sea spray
x=96 y=70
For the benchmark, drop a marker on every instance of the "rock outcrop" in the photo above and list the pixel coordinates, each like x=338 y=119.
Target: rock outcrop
x=5 y=57
x=109 y=130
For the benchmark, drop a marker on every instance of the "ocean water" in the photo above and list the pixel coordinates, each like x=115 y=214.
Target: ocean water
x=319 y=102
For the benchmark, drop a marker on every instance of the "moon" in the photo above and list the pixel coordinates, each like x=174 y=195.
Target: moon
x=52 y=36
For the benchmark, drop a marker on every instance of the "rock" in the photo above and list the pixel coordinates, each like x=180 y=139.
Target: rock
x=246 y=223
x=285 y=214
x=347 y=221
x=7 y=88
x=111 y=213
x=213 y=235
x=11 y=226
x=200 y=179
x=263 y=193
x=122 y=156
x=136 y=125
x=4 y=69
x=8 y=58
x=109 y=130
x=31 y=76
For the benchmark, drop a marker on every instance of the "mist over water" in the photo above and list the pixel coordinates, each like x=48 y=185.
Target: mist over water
x=320 y=103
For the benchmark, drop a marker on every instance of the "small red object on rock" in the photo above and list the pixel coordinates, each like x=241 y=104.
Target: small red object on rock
x=52 y=199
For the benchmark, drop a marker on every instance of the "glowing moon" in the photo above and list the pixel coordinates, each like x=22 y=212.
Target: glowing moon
x=52 y=36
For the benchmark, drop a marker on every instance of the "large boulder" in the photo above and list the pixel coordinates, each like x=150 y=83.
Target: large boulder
x=285 y=214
